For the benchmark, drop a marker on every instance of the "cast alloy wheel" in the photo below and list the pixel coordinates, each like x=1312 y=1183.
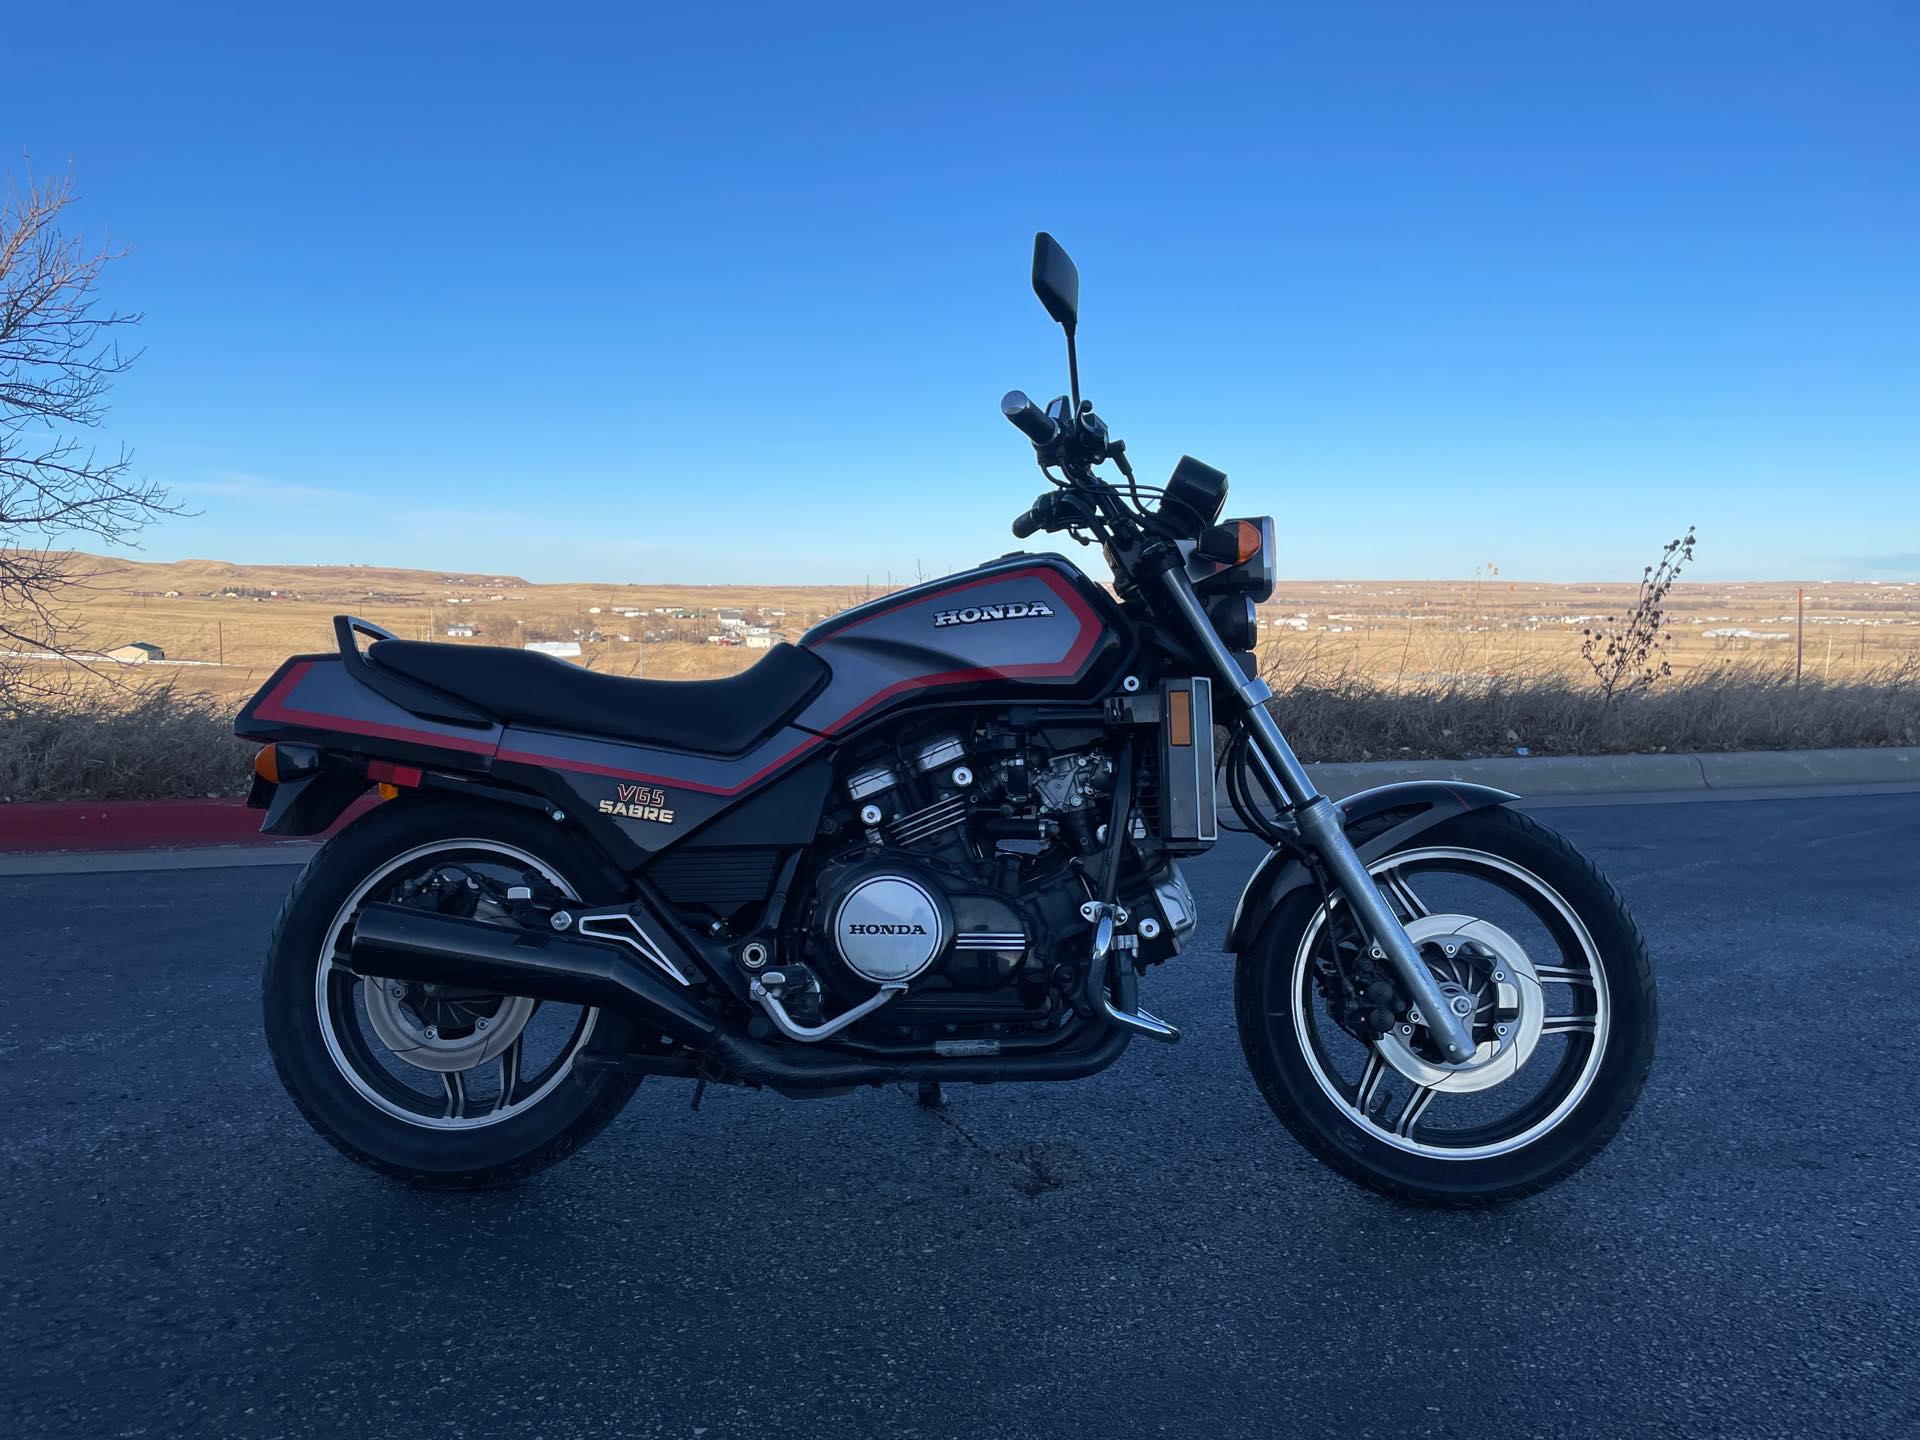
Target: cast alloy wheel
x=440 y=1060
x=1511 y=998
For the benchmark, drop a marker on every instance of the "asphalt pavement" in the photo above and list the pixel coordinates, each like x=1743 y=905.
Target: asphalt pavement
x=1143 y=1253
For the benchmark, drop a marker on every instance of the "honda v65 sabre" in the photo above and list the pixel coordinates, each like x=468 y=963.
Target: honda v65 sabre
x=940 y=839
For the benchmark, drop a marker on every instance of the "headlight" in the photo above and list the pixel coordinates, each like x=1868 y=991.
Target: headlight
x=1234 y=621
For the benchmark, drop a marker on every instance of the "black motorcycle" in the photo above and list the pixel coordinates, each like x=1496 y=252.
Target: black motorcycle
x=937 y=840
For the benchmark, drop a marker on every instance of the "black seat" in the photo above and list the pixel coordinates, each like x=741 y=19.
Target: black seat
x=713 y=717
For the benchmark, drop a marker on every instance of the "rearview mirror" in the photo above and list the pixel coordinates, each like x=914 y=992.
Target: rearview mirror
x=1055 y=280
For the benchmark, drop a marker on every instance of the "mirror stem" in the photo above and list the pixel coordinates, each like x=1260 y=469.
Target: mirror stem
x=1073 y=371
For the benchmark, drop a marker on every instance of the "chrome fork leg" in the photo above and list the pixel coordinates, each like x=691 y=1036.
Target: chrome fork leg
x=1319 y=823
x=1320 y=827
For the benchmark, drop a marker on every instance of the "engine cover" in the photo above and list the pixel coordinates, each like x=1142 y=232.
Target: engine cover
x=887 y=924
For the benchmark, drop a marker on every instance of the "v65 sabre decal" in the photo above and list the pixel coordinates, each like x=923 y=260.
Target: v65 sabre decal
x=973 y=614
x=638 y=802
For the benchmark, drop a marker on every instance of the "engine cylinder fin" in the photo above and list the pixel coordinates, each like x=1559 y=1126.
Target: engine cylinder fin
x=925 y=823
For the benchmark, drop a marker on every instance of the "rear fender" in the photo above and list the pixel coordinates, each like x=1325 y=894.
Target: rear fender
x=307 y=805
x=1377 y=821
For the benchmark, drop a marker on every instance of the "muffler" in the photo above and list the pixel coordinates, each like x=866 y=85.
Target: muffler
x=398 y=943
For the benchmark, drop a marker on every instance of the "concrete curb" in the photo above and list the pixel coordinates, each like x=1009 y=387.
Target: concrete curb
x=1638 y=774
x=119 y=825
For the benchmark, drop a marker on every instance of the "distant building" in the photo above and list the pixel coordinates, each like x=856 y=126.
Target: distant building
x=137 y=653
x=565 y=649
x=761 y=641
x=460 y=632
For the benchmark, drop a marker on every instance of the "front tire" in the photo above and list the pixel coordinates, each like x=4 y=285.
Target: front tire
x=451 y=1094
x=1527 y=934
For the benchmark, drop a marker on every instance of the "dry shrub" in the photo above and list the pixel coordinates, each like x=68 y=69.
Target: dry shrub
x=143 y=742
x=153 y=742
x=1341 y=714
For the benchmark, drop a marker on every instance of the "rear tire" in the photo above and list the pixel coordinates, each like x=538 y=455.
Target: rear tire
x=1280 y=1010
x=361 y=1111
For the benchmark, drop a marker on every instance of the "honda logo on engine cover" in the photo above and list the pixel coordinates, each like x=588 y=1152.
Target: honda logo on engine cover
x=972 y=614
x=860 y=929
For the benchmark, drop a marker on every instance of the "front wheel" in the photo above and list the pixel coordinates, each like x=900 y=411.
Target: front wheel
x=1531 y=946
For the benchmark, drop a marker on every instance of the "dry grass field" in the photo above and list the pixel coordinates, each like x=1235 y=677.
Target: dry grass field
x=1363 y=669
x=224 y=627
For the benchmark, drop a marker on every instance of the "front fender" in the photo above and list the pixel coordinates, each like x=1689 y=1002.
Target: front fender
x=1376 y=821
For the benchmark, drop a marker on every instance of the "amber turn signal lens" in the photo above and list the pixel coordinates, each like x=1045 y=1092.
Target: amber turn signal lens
x=1247 y=541
x=388 y=792
x=267 y=764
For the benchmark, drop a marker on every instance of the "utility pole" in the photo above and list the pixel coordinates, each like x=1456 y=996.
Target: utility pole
x=1800 y=638
x=220 y=638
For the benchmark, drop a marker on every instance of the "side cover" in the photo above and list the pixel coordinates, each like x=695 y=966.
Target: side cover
x=314 y=698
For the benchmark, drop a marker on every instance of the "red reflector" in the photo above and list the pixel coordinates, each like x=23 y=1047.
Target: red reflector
x=405 y=776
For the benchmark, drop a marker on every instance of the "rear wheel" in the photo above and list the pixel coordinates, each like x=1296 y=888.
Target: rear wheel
x=438 y=1088
x=1532 y=949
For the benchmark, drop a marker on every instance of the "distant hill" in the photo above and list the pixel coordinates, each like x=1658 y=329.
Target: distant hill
x=310 y=581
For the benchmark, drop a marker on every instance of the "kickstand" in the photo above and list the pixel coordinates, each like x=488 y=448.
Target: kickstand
x=929 y=1097
x=699 y=1089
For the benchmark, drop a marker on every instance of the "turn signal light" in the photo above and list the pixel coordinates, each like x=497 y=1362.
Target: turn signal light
x=1246 y=536
x=1234 y=542
x=279 y=763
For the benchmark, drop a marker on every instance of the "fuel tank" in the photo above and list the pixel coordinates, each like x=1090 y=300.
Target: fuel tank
x=1024 y=629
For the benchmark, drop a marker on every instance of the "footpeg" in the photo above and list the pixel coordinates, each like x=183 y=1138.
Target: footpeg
x=1141 y=1021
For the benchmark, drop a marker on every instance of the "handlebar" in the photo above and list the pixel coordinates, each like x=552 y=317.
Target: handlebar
x=1048 y=513
x=1029 y=418
x=1074 y=443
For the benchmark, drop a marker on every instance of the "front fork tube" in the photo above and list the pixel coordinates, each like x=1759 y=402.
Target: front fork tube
x=1319 y=823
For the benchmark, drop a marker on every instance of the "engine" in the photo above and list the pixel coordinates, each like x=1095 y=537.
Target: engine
x=956 y=866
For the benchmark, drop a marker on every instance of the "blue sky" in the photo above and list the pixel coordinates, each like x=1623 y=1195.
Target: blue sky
x=730 y=292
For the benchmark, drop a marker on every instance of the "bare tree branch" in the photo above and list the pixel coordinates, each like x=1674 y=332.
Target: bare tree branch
x=60 y=353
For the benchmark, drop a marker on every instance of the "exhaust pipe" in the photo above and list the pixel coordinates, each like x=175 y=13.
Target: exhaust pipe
x=397 y=943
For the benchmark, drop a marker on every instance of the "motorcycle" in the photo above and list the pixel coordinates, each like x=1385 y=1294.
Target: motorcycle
x=938 y=840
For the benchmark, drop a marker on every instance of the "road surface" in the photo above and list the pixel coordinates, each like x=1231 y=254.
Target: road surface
x=1144 y=1253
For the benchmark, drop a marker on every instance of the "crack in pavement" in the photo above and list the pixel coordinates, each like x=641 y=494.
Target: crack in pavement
x=1035 y=1170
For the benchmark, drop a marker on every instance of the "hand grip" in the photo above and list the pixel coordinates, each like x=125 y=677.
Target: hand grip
x=1029 y=418
x=1045 y=515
